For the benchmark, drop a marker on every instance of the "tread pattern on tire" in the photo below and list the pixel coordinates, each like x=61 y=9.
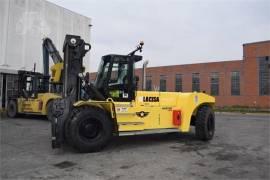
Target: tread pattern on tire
x=16 y=108
x=49 y=111
x=70 y=135
x=67 y=125
x=201 y=122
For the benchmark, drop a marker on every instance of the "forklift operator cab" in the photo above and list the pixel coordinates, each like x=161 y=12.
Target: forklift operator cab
x=32 y=83
x=116 y=77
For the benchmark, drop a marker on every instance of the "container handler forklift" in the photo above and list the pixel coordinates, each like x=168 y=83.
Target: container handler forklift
x=36 y=91
x=114 y=106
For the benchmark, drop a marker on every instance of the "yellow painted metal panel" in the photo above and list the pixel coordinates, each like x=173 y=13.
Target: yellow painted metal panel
x=56 y=70
x=31 y=105
x=154 y=110
x=106 y=105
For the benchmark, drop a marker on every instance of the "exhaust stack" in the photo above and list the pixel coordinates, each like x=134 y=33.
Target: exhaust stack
x=144 y=74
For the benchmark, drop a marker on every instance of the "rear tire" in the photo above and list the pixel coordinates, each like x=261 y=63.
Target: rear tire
x=50 y=111
x=89 y=129
x=12 y=109
x=205 y=123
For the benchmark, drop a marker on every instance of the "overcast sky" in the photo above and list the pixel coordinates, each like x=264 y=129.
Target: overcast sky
x=174 y=32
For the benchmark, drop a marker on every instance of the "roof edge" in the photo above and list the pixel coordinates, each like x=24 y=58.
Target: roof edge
x=257 y=42
x=229 y=61
x=72 y=11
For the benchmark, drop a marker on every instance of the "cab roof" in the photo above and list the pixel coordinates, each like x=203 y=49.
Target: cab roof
x=109 y=57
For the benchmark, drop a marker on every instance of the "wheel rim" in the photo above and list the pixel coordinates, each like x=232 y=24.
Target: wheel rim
x=90 y=129
x=211 y=125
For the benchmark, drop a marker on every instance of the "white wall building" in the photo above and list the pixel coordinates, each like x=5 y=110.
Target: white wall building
x=24 y=23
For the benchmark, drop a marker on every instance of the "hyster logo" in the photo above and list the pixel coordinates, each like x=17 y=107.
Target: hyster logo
x=142 y=114
x=150 y=99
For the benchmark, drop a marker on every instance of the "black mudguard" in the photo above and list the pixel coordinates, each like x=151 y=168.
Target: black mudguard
x=61 y=111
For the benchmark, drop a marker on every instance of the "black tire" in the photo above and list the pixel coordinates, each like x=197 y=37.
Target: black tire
x=89 y=129
x=205 y=123
x=49 y=109
x=12 y=109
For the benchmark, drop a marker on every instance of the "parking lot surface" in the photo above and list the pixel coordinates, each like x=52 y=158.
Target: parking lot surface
x=239 y=150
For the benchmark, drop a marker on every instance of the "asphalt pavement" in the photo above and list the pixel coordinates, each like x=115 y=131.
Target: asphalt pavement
x=240 y=150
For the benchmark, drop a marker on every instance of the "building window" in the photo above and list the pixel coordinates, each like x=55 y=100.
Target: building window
x=235 y=83
x=162 y=83
x=148 y=83
x=178 y=83
x=215 y=83
x=196 y=82
x=264 y=75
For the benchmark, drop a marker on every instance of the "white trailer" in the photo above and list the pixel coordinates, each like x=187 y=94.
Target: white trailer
x=24 y=23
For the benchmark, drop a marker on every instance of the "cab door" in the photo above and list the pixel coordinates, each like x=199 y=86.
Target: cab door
x=30 y=103
x=121 y=79
x=122 y=88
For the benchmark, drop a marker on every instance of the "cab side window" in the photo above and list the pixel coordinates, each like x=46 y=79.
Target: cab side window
x=118 y=82
x=118 y=74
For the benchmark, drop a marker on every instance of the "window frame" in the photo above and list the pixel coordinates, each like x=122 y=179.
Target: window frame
x=214 y=76
x=263 y=76
x=163 y=78
x=196 y=84
x=178 y=85
x=235 y=80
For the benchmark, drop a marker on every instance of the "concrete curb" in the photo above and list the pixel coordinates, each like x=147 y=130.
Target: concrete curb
x=242 y=113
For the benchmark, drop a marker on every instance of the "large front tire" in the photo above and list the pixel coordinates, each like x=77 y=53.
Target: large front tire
x=12 y=109
x=50 y=111
x=89 y=129
x=205 y=123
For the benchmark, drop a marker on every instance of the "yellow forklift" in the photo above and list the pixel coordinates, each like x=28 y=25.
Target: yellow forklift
x=33 y=95
x=113 y=106
x=36 y=91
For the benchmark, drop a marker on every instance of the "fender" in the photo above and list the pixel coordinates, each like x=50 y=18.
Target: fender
x=189 y=104
x=107 y=105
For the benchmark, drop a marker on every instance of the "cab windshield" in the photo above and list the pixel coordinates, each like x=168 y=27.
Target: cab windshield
x=118 y=74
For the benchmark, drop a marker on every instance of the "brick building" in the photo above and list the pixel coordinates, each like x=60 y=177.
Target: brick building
x=237 y=82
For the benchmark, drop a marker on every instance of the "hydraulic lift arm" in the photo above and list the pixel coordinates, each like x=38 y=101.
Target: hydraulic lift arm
x=49 y=49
